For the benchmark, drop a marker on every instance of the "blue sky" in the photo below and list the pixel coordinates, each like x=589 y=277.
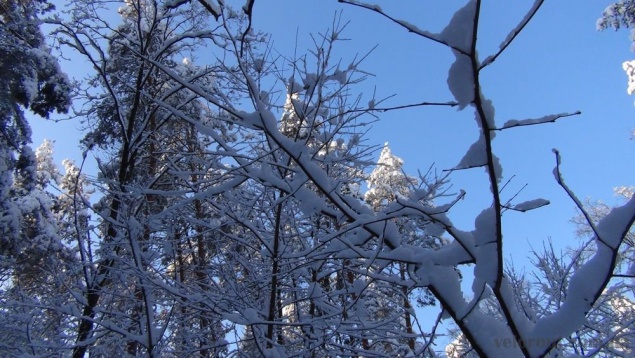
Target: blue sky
x=560 y=63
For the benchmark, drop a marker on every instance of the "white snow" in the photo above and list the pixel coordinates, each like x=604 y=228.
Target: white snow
x=310 y=80
x=252 y=315
x=340 y=76
x=293 y=86
x=414 y=29
x=400 y=254
x=213 y=5
x=459 y=32
x=435 y=229
x=530 y=204
x=30 y=87
x=486 y=251
x=308 y=201
x=629 y=68
x=450 y=255
x=532 y=121
x=616 y=224
x=475 y=156
x=461 y=80
x=489 y=112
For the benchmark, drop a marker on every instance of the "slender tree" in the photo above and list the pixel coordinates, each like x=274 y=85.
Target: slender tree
x=134 y=122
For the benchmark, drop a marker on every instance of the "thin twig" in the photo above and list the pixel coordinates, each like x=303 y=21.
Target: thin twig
x=512 y=36
x=411 y=28
x=575 y=199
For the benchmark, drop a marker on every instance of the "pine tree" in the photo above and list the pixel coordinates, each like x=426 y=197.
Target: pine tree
x=30 y=248
x=393 y=303
x=32 y=80
x=42 y=271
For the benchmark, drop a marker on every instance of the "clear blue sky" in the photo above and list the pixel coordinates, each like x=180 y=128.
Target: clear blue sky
x=560 y=63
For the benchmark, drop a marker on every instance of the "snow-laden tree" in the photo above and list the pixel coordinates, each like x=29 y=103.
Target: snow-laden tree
x=609 y=324
x=149 y=159
x=31 y=250
x=615 y=16
x=36 y=279
x=32 y=80
x=386 y=183
x=309 y=298
x=230 y=221
x=481 y=247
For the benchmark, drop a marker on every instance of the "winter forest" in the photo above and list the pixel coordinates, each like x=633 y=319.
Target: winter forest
x=228 y=203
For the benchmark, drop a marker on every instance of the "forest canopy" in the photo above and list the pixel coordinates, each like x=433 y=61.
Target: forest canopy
x=228 y=203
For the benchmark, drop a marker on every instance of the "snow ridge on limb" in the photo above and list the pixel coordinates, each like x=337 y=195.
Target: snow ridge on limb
x=530 y=205
x=533 y=121
x=459 y=36
x=461 y=80
x=560 y=180
x=476 y=155
x=588 y=282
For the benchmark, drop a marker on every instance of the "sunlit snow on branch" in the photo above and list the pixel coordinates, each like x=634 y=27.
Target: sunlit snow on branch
x=629 y=68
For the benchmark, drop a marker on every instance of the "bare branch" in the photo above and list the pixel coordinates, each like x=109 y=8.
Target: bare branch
x=558 y=175
x=248 y=9
x=411 y=28
x=513 y=34
x=209 y=8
